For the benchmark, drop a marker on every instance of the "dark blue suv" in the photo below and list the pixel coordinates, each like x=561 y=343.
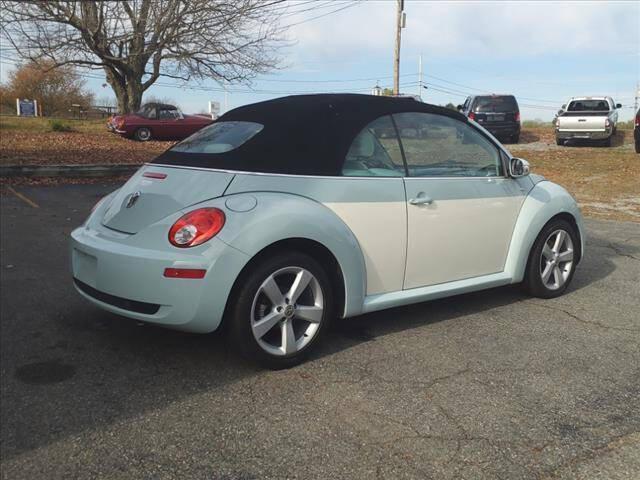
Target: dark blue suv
x=499 y=114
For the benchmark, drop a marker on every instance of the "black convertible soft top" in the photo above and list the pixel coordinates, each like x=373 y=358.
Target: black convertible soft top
x=302 y=134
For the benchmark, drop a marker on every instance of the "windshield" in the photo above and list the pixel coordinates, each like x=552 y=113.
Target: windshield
x=588 y=106
x=220 y=137
x=496 y=104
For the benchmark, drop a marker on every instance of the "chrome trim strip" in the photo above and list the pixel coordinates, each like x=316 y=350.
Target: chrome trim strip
x=241 y=172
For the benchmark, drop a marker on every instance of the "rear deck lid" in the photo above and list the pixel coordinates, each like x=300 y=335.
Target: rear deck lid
x=155 y=192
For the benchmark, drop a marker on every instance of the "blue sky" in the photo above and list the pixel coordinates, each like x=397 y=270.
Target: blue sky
x=542 y=52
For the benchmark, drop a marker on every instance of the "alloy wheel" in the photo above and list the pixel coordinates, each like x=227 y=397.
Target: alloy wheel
x=287 y=311
x=556 y=260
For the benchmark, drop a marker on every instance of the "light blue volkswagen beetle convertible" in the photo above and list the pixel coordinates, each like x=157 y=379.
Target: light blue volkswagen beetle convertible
x=286 y=214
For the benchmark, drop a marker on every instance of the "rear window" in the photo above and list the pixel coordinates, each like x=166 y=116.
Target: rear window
x=220 y=137
x=588 y=106
x=496 y=104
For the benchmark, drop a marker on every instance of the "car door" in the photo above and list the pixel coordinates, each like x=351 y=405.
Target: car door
x=165 y=124
x=173 y=124
x=461 y=206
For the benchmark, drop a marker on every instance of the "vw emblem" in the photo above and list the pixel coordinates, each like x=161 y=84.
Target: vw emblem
x=133 y=198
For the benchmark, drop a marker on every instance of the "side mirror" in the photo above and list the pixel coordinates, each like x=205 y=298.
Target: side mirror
x=518 y=167
x=459 y=107
x=618 y=105
x=560 y=112
x=563 y=106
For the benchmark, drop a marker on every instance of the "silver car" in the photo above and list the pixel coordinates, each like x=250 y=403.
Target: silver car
x=587 y=118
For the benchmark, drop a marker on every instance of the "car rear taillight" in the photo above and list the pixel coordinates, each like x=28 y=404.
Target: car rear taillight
x=607 y=123
x=156 y=175
x=472 y=116
x=196 y=227
x=638 y=120
x=517 y=116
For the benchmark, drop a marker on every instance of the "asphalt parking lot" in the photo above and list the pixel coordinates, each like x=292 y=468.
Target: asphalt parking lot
x=488 y=385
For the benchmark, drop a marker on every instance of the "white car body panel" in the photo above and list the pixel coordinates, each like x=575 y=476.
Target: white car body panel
x=454 y=237
x=380 y=229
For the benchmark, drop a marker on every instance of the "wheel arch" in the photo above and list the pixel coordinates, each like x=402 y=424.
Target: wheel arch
x=546 y=201
x=312 y=248
x=306 y=226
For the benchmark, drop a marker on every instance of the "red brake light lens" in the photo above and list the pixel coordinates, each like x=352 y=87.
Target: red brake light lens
x=196 y=227
x=517 y=116
x=156 y=175
x=472 y=116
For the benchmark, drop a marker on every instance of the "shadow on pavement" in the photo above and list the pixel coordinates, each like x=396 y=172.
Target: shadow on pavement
x=68 y=367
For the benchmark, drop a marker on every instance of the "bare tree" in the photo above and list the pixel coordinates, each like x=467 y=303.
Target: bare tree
x=136 y=42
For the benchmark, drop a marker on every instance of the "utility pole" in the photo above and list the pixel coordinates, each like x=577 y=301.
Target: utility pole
x=420 y=76
x=400 y=24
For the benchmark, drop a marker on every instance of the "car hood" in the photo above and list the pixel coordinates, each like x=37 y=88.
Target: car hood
x=154 y=192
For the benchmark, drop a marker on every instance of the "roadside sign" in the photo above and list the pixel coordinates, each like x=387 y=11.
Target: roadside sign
x=214 y=108
x=27 y=108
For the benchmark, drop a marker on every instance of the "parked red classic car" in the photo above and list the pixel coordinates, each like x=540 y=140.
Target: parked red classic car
x=157 y=121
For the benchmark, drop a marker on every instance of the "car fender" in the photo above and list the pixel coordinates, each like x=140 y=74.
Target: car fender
x=544 y=201
x=282 y=216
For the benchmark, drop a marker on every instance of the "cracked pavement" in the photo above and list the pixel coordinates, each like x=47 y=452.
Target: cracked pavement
x=489 y=385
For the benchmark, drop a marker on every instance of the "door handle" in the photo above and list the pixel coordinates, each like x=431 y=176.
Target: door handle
x=421 y=199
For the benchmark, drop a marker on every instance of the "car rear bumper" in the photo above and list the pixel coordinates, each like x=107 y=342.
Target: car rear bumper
x=128 y=280
x=583 y=135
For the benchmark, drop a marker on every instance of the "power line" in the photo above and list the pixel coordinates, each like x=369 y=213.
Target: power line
x=488 y=91
x=370 y=79
x=356 y=2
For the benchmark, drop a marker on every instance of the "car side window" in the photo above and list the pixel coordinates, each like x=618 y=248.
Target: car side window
x=441 y=146
x=150 y=112
x=375 y=152
x=166 y=114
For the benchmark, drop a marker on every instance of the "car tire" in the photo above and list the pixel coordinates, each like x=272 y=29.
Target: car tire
x=637 y=145
x=143 y=134
x=263 y=320
x=607 y=142
x=551 y=265
x=559 y=142
x=515 y=138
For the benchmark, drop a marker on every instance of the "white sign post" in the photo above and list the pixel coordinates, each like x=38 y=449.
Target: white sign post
x=214 y=109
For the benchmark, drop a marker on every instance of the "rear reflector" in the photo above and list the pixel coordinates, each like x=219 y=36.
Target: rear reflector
x=184 y=273
x=159 y=176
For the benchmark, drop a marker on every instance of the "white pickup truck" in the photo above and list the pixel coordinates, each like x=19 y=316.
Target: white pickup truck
x=588 y=118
